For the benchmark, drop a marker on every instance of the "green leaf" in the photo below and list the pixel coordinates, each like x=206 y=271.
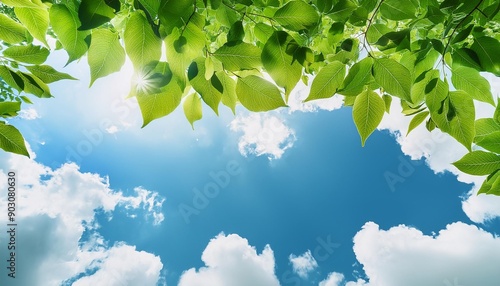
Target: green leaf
x=491 y=186
x=94 y=13
x=342 y=10
x=490 y=142
x=27 y=54
x=375 y=32
x=470 y=81
x=367 y=113
x=36 y=20
x=478 y=163
x=398 y=9
x=296 y=15
x=327 y=81
x=436 y=92
x=48 y=74
x=229 y=97
x=210 y=94
x=162 y=103
x=9 y=108
x=420 y=85
x=239 y=56
x=417 y=120
x=34 y=85
x=175 y=13
x=226 y=16
x=181 y=50
x=192 y=108
x=11 y=78
x=106 y=55
x=257 y=94
x=152 y=6
x=281 y=66
x=387 y=101
x=65 y=24
x=466 y=57
x=488 y=49
x=21 y=3
x=11 y=31
x=25 y=99
x=141 y=43
x=485 y=127
x=11 y=140
x=393 y=77
x=462 y=124
x=359 y=75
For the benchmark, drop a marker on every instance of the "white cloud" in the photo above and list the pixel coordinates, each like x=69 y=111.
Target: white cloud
x=300 y=93
x=230 y=260
x=263 y=134
x=29 y=114
x=440 y=150
x=112 y=129
x=123 y=265
x=405 y=256
x=56 y=208
x=303 y=264
x=333 y=279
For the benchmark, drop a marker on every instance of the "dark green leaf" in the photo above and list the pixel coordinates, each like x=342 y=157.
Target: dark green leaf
x=94 y=13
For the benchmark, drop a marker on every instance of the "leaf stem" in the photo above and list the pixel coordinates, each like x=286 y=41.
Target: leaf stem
x=370 y=21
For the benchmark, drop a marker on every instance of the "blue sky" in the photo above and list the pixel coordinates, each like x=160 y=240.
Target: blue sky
x=291 y=197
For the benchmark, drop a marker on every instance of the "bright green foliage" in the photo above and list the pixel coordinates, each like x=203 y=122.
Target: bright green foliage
x=35 y=19
x=393 y=77
x=27 y=54
x=210 y=90
x=11 y=139
x=417 y=120
x=367 y=113
x=192 y=108
x=327 y=81
x=277 y=58
x=65 y=24
x=47 y=73
x=11 y=31
x=106 y=55
x=470 y=81
x=478 y=163
x=257 y=94
x=141 y=43
x=239 y=56
x=427 y=55
x=296 y=15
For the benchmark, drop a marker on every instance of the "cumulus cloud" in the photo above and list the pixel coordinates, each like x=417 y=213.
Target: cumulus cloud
x=300 y=93
x=263 y=134
x=439 y=150
x=230 y=260
x=404 y=255
x=57 y=227
x=124 y=265
x=333 y=279
x=29 y=114
x=303 y=264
